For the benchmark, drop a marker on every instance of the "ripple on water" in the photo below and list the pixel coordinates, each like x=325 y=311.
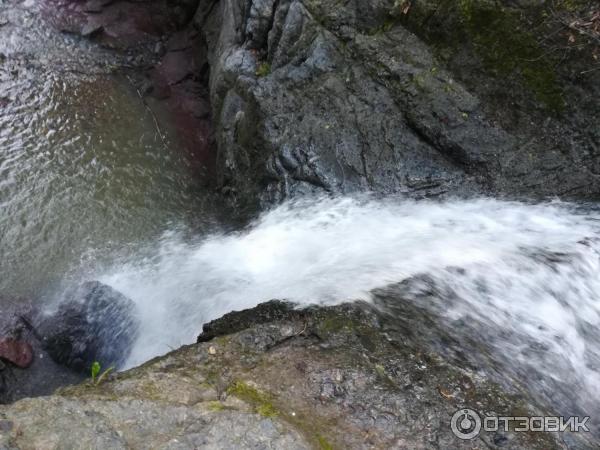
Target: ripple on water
x=83 y=170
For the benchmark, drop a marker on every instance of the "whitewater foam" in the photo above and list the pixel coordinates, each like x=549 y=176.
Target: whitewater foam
x=529 y=270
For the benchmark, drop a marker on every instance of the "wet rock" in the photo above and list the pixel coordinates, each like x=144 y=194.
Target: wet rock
x=339 y=379
x=159 y=48
x=237 y=321
x=95 y=323
x=321 y=96
x=120 y=24
x=179 y=81
x=42 y=375
x=47 y=351
x=91 y=29
x=17 y=352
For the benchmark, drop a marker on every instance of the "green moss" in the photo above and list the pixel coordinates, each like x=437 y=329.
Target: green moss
x=507 y=47
x=380 y=371
x=246 y=392
x=260 y=401
x=267 y=410
x=206 y=385
x=323 y=443
x=335 y=323
x=263 y=70
x=501 y=36
x=570 y=5
x=215 y=406
x=419 y=81
x=388 y=23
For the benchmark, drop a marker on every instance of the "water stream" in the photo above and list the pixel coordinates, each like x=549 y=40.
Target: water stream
x=88 y=190
x=522 y=277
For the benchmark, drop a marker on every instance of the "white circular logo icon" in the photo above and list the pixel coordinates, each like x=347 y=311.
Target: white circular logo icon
x=466 y=424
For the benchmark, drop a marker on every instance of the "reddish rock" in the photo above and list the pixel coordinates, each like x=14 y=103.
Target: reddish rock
x=17 y=352
x=180 y=81
x=119 y=23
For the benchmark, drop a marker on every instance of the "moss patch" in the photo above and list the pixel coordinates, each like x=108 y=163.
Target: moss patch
x=215 y=406
x=260 y=401
x=324 y=443
x=506 y=47
x=263 y=70
x=502 y=37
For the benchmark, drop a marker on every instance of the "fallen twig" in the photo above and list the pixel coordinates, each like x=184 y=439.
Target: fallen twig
x=156 y=125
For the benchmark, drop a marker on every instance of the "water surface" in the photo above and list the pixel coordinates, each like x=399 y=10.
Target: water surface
x=86 y=171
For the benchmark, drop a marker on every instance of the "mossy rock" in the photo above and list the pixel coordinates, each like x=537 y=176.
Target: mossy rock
x=500 y=36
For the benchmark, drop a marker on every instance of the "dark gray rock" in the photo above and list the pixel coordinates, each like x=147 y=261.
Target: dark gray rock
x=311 y=96
x=94 y=323
x=91 y=29
x=43 y=375
x=237 y=321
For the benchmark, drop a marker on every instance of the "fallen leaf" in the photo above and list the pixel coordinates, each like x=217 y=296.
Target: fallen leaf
x=444 y=393
x=406 y=7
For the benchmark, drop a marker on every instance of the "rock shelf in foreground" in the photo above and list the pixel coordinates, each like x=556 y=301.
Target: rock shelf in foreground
x=275 y=377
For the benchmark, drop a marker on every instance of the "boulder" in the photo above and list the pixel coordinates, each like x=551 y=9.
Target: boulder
x=93 y=323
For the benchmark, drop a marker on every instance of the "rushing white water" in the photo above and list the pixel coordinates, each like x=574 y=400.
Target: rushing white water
x=530 y=270
x=524 y=278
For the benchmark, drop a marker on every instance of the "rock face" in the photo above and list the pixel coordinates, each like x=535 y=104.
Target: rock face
x=275 y=377
x=422 y=97
x=96 y=323
x=310 y=95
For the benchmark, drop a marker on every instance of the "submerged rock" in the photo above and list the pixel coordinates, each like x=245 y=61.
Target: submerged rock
x=118 y=23
x=335 y=377
x=95 y=323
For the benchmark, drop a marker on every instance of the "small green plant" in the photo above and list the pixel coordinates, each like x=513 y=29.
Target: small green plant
x=95 y=371
x=263 y=70
x=98 y=377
